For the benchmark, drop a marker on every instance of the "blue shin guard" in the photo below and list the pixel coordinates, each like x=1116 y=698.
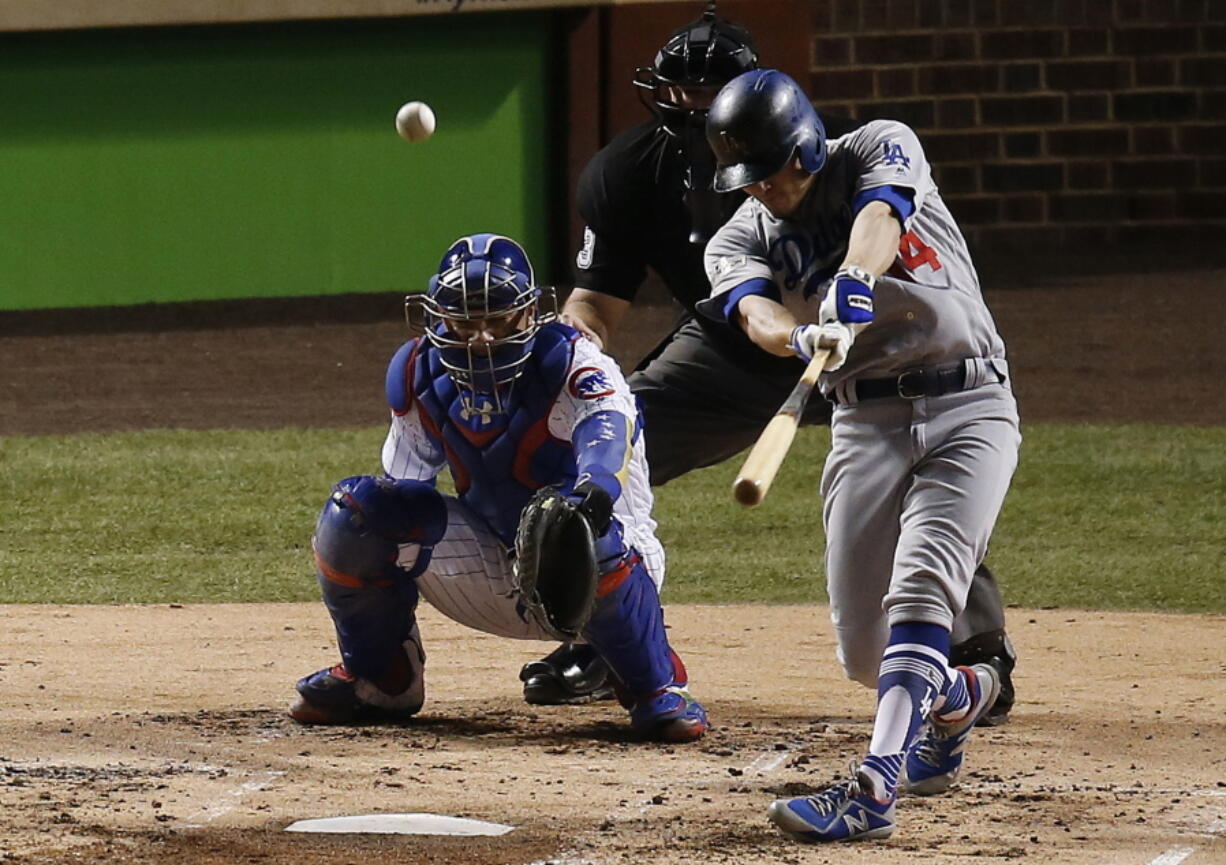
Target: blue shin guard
x=371 y=598
x=627 y=629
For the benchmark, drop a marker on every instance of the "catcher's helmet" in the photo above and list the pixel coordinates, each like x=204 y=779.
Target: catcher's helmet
x=757 y=123
x=694 y=63
x=480 y=311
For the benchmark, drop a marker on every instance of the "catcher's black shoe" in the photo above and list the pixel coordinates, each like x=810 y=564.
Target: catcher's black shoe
x=995 y=649
x=571 y=673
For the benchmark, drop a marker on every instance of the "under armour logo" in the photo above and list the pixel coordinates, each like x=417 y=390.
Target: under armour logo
x=482 y=411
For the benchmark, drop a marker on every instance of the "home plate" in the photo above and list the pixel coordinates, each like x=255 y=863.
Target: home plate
x=400 y=824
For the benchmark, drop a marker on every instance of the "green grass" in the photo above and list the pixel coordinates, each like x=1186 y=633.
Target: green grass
x=1101 y=517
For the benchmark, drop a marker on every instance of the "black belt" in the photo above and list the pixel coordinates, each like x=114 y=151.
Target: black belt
x=913 y=384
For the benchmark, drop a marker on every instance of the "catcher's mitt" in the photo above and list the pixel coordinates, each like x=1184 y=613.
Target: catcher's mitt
x=555 y=567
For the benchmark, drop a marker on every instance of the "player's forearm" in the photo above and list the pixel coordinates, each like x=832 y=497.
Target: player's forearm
x=603 y=447
x=768 y=324
x=873 y=244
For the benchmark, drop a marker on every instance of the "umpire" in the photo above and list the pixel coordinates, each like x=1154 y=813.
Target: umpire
x=647 y=202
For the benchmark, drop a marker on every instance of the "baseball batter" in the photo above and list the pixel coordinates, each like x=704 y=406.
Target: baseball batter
x=706 y=392
x=846 y=245
x=512 y=403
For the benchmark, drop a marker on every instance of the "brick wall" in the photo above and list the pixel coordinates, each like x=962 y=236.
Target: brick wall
x=1050 y=123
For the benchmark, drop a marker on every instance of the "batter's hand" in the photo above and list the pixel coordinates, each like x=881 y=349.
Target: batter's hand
x=849 y=300
x=581 y=326
x=808 y=339
x=805 y=341
x=838 y=338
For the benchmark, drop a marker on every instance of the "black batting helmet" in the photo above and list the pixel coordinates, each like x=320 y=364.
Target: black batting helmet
x=703 y=55
x=758 y=122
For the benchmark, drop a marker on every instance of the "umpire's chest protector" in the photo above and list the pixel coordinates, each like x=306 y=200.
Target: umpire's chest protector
x=497 y=461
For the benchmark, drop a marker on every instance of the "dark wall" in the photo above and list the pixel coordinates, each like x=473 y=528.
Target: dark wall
x=1051 y=123
x=1054 y=126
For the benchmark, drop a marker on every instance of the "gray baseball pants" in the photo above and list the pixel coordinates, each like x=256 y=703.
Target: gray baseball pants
x=701 y=407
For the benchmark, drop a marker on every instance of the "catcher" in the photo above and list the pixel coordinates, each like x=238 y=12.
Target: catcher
x=550 y=535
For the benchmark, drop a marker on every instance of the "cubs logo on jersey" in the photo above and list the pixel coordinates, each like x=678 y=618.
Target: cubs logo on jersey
x=589 y=382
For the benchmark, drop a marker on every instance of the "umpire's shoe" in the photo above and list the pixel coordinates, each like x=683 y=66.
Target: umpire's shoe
x=934 y=761
x=990 y=648
x=845 y=811
x=571 y=673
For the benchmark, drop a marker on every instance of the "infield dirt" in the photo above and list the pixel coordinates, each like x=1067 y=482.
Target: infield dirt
x=158 y=734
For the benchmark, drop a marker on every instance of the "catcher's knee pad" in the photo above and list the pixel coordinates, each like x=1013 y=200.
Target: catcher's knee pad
x=365 y=520
x=627 y=628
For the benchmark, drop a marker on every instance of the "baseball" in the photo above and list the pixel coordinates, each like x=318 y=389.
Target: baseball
x=415 y=121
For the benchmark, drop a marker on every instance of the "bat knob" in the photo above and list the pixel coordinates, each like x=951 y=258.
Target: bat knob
x=748 y=492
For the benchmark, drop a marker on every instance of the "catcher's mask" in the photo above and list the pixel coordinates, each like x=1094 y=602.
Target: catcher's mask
x=482 y=312
x=691 y=67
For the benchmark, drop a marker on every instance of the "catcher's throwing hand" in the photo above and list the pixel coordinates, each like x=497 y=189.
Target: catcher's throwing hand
x=595 y=503
x=555 y=569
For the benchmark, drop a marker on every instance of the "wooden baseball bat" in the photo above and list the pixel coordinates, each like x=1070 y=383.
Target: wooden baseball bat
x=772 y=445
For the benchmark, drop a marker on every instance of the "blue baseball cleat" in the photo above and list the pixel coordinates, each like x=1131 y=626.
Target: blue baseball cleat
x=845 y=811
x=934 y=761
x=670 y=715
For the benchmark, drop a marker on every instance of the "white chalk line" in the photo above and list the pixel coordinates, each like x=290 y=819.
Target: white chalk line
x=1173 y=856
x=231 y=799
x=767 y=762
x=1217 y=827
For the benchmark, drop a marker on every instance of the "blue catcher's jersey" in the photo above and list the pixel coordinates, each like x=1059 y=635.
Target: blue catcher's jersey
x=498 y=460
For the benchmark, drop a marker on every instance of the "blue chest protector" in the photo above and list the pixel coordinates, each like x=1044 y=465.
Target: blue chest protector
x=497 y=461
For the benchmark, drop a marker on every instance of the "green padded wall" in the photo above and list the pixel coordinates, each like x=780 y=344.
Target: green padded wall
x=233 y=162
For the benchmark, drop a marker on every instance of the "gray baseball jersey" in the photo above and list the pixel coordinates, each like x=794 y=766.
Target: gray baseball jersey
x=928 y=307
x=911 y=487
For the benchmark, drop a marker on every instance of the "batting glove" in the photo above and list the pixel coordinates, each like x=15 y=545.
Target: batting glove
x=804 y=341
x=838 y=338
x=808 y=339
x=849 y=300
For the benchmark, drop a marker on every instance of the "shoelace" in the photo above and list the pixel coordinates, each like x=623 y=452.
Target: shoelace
x=827 y=801
x=930 y=750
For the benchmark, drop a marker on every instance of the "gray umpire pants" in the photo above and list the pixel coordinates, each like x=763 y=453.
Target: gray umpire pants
x=701 y=407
